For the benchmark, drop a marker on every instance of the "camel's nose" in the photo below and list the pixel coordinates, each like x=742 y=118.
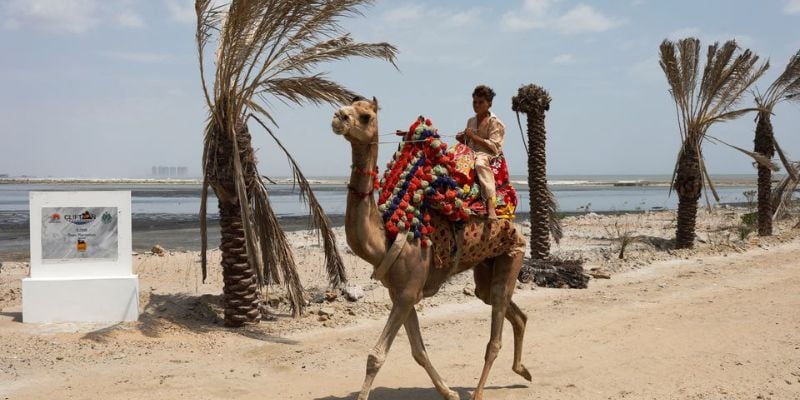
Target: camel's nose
x=341 y=115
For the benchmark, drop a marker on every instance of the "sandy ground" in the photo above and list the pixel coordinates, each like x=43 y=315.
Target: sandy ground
x=718 y=322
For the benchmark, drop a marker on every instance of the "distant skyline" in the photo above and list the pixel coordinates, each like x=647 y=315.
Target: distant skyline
x=110 y=88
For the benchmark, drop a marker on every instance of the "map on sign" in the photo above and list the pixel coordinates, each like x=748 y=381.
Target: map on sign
x=74 y=233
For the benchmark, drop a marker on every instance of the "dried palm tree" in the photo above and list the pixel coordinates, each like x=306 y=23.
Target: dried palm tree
x=727 y=74
x=781 y=198
x=266 y=49
x=786 y=87
x=534 y=101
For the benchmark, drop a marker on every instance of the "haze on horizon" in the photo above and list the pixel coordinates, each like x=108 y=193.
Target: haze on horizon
x=108 y=89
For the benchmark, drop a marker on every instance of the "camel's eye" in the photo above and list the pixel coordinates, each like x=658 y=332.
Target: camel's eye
x=364 y=118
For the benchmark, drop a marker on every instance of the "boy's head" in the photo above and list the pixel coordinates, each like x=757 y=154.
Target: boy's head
x=482 y=98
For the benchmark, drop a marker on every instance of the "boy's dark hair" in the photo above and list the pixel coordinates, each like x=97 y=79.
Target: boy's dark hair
x=484 y=91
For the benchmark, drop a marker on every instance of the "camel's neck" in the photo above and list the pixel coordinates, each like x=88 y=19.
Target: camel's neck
x=362 y=222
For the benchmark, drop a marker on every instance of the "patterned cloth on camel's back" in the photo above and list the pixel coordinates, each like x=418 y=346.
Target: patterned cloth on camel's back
x=483 y=239
x=465 y=176
x=420 y=180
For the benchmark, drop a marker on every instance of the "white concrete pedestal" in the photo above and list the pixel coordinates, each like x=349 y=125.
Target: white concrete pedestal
x=81 y=264
x=112 y=299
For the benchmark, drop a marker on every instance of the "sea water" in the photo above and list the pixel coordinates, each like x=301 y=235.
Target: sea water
x=601 y=193
x=167 y=212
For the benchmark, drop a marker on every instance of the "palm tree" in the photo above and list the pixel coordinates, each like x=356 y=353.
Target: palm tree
x=727 y=74
x=786 y=87
x=534 y=101
x=266 y=49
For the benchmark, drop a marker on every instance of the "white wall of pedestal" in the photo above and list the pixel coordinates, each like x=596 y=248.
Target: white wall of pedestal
x=81 y=290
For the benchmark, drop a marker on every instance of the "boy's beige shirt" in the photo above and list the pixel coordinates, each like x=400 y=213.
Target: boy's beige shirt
x=492 y=130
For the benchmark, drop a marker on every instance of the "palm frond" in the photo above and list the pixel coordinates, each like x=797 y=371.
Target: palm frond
x=334 y=265
x=332 y=50
x=554 y=224
x=785 y=87
x=757 y=157
x=728 y=116
x=279 y=266
x=782 y=194
x=708 y=182
x=315 y=89
x=785 y=161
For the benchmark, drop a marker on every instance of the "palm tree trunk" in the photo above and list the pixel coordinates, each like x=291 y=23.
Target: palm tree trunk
x=765 y=145
x=239 y=289
x=534 y=100
x=537 y=184
x=240 y=285
x=688 y=185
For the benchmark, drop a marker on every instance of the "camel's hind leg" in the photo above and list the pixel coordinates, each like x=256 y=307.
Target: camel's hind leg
x=503 y=280
x=421 y=356
x=518 y=319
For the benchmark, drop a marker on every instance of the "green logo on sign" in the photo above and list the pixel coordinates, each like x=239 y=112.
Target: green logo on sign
x=106 y=218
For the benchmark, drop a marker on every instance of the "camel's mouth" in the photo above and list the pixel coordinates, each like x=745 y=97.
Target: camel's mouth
x=337 y=126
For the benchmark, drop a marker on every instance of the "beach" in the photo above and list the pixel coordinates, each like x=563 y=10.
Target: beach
x=715 y=322
x=165 y=211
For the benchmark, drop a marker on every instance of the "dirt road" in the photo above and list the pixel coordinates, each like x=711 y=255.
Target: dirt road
x=723 y=327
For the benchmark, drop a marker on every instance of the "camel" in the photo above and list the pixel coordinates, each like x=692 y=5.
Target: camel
x=410 y=273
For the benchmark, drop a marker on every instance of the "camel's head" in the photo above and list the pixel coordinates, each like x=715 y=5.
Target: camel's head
x=358 y=122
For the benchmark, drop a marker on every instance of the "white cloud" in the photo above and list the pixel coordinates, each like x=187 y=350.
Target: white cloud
x=584 y=18
x=707 y=38
x=182 y=10
x=539 y=14
x=74 y=16
x=130 y=19
x=792 y=7
x=538 y=7
x=564 y=59
x=440 y=16
x=71 y=16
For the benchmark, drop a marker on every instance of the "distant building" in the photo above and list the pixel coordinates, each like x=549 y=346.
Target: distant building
x=161 y=171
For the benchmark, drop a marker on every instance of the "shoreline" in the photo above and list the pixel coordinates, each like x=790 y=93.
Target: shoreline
x=732 y=180
x=181 y=232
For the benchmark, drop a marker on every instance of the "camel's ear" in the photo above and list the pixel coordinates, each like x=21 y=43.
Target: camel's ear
x=374 y=104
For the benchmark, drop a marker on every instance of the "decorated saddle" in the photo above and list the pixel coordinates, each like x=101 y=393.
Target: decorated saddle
x=425 y=176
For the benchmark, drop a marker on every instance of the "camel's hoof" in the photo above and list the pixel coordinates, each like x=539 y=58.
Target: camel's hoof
x=523 y=372
x=453 y=396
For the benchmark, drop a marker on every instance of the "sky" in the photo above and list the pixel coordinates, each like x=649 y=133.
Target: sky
x=110 y=88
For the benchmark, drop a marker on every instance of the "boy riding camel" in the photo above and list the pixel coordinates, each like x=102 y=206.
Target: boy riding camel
x=484 y=135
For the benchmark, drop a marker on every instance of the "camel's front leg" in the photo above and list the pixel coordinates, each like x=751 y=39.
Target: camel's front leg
x=504 y=275
x=421 y=356
x=377 y=356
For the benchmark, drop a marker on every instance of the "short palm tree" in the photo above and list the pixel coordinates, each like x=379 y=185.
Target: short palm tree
x=533 y=101
x=786 y=87
x=727 y=74
x=266 y=49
